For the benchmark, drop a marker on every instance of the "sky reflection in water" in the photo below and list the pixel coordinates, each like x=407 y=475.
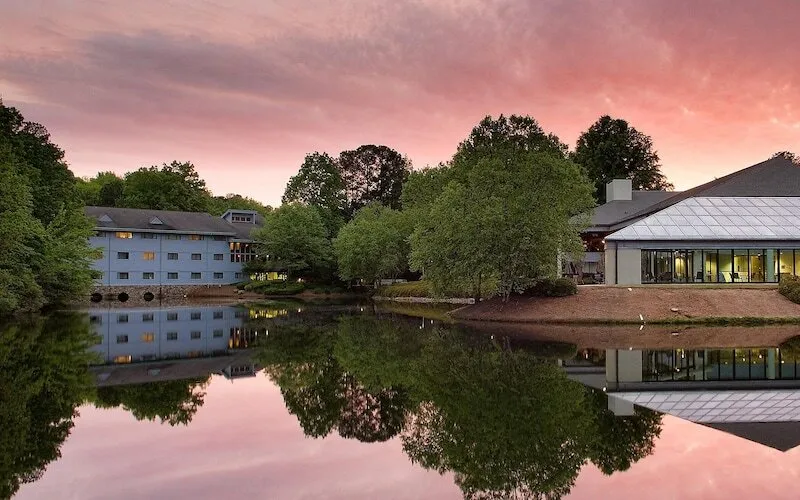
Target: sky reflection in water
x=243 y=440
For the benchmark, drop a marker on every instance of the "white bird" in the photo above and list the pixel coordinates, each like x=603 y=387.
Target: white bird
x=630 y=289
x=641 y=318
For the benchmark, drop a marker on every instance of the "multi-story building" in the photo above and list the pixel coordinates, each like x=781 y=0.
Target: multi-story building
x=158 y=248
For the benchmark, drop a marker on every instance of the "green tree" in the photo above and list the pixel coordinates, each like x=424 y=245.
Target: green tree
x=103 y=190
x=612 y=149
x=373 y=174
x=422 y=188
x=319 y=184
x=374 y=245
x=174 y=402
x=43 y=380
x=174 y=186
x=294 y=239
x=218 y=205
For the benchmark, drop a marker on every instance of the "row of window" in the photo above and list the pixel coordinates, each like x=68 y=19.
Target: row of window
x=173 y=276
x=719 y=266
x=170 y=256
x=126 y=235
x=173 y=316
x=149 y=337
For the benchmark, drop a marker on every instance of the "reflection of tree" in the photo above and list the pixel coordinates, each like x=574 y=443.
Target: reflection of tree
x=43 y=379
x=619 y=442
x=174 y=401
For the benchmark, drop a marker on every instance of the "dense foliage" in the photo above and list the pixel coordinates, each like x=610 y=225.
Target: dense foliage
x=612 y=149
x=174 y=402
x=789 y=287
x=44 y=252
x=494 y=412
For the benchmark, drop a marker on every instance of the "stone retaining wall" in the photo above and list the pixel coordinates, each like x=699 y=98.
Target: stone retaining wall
x=136 y=294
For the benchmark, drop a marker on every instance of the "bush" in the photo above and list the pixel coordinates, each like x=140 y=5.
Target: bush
x=789 y=287
x=549 y=287
x=279 y=287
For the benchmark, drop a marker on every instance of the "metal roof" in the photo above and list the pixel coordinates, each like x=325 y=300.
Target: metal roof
x=719 y=218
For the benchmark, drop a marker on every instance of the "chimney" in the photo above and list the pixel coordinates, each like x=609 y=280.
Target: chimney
x=619 y=189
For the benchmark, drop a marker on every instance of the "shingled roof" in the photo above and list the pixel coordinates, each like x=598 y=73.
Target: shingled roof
x=159 y=220
x=775 y=177
x=609 y=214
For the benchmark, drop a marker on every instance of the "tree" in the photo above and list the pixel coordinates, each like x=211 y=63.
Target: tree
x=422 y=188
x=374 y=245
x=612 y=149
x=373 y=174
x=174 y=402
x=502 y=136
x=220 y=204
x=103 y=190
x=319 y=184
x=512 y=218
x=294 y=239
x=174 y=186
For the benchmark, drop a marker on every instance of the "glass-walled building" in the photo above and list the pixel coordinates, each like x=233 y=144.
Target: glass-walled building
x=724 y=265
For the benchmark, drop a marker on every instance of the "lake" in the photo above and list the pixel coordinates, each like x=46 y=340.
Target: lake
x=297 y=400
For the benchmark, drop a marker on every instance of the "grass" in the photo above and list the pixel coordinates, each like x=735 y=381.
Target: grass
x=424 y=288
x=437 y=312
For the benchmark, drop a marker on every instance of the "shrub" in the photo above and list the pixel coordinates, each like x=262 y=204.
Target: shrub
x=549 y=287
x=279 y=287
x=789 y=287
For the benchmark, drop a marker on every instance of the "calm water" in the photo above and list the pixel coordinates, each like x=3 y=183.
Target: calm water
x=292 y=400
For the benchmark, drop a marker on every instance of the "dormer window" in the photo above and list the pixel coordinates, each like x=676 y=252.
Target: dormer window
x=105 y=218
x=242 y=218
x=156 y=221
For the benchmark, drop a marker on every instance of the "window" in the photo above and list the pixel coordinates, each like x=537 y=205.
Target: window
x=122 y=359
x=197 y=315
x=123 y=255
x=149 y=255
x=172 y=316
x=122 y=339
x=148 y=337
x=172 y=276
x=218 y=256
x=196 y=237
x=217 y=276
x=147 y=317
x=123 y=235
x=95 y=320
x=172 y=236
x=217 y=333
x=195 y=335
x=148 y=276
x=220 y=238
x=197 y=256
x=196 y=276
x=122 y=318
x=237 y=276
x=239 y=314
x=218 y=315
x=172 y=256
x=148 y=236
x=241 y=218
x=172 y=335
x=122 y=276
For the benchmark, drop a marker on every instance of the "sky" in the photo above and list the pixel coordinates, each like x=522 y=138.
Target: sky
x=246 y=89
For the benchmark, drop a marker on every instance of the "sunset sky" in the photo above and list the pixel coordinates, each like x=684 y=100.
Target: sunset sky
x=246 y=91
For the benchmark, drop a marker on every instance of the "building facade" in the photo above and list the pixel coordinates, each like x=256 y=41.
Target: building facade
x=156 y=248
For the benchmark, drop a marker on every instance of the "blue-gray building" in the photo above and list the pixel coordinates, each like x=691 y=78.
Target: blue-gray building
x=163 y=248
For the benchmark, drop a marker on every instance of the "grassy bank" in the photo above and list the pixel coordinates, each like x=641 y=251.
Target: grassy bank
x=425 y=289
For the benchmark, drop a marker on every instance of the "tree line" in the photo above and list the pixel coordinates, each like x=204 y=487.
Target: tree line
x=497 y=215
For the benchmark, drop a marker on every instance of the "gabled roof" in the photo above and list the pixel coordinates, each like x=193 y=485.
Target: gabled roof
x=245 y=229
x=719 y=219
x=777 y=176
x=608 y=214
x=139 y=219
x=782 y=436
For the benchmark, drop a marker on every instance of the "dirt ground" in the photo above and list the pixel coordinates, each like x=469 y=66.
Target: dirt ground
x=610 y=303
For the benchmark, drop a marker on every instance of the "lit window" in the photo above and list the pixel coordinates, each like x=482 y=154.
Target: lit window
x=196 y=315
x=218 y=256
x=197 y=256
x=217 y=334
x=122 y=276
x=124 y=235
x=173 y=236
x=149 y=255
x=122 y=339
x=172 y=335
x=122 y=359
x=196 y=276
x=148 y=236
x=147 y=317
x=172 y=316
x=195 y=335
x=123 y=255
x=148 y=276
x=148 y=337
x=217 y=276
x=196 y=237
x=122 y=318
x=172 y=276
x=172 y=256
x=218 y=314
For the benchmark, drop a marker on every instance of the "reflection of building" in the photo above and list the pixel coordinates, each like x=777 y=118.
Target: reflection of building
x=140 y=345
x=753 y=393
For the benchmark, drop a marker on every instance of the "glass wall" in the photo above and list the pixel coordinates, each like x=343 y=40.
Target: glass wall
x=719 y=266
x=718 y=364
